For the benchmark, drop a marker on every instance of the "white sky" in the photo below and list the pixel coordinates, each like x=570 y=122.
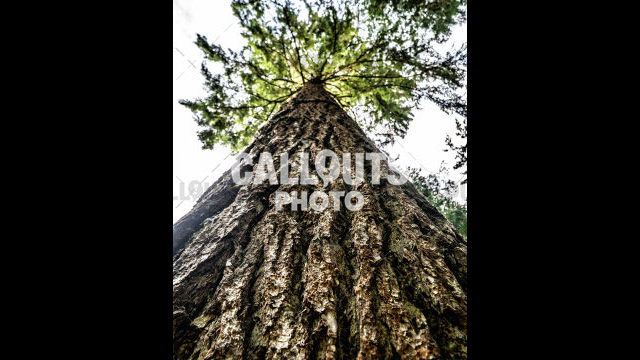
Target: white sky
x=195 y=169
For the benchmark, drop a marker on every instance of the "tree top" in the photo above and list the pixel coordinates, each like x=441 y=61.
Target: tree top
x=378 y=59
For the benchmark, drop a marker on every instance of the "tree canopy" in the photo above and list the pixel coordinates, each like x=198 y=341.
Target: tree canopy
x=377 y=58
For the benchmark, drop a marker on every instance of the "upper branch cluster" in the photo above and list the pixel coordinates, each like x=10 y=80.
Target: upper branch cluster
x=374 y=56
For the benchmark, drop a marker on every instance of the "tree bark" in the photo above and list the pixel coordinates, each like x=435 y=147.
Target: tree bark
x=386 y=282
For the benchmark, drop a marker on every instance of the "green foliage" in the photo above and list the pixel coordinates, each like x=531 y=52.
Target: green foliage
x=375 y=57
x=438 y=191
x=460 y=150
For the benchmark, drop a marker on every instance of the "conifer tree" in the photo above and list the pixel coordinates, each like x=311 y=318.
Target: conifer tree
x=388 y=281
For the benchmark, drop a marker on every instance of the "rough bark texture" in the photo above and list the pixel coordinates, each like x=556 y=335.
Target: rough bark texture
x=386 y=282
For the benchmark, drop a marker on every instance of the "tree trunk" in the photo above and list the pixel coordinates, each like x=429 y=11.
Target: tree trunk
x=386 y=282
